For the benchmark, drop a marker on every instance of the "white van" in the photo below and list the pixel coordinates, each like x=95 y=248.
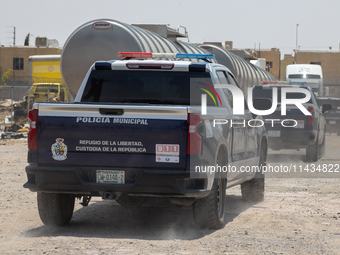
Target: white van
x=311 y=75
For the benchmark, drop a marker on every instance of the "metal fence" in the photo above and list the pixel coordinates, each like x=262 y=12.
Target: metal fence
x=22 y=94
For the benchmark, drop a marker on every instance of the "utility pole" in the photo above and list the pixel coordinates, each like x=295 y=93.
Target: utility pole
x=297 y=34
x=13 y=35
x=297 y=38
x=259 y=50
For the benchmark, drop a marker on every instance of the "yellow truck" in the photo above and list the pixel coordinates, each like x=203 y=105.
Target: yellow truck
x=46 y=79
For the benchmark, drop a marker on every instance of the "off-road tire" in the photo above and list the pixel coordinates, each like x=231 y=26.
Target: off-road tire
x=209 y=212
x=312 y=152
x=55 y=209
x=253 y=190
x=322 y=147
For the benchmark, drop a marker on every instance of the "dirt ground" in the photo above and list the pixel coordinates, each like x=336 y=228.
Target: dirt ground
x=298 y=216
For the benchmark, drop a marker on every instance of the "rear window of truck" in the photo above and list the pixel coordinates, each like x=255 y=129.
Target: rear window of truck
x=267 y=93
x=151 y=87
x=334 y=102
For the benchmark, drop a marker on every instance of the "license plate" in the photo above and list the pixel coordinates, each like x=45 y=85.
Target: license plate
x=110 y=176
x=274 y=133
x=332 y=122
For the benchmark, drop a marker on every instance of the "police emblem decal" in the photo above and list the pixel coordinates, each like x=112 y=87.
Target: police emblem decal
x=59 y=150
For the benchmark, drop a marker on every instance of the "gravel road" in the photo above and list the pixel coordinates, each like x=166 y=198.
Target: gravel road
x=298 y=216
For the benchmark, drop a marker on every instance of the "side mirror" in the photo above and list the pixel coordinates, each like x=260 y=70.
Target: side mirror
x=326 y=107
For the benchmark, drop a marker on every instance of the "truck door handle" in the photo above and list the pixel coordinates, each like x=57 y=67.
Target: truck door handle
x=111 y=111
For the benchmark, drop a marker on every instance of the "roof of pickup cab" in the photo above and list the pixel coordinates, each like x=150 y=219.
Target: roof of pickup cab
x=328 y=98
x=279 y=86
x=155 y=65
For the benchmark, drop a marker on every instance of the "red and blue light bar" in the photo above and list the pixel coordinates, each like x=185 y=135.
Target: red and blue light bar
x=165 y=55
x=268 y=82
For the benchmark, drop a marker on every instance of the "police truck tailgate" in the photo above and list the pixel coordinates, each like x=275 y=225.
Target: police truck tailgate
x=114 y=136
x=294 y=120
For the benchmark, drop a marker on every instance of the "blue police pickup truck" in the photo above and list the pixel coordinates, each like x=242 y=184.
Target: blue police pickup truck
x=295 y=130
x=136 y=131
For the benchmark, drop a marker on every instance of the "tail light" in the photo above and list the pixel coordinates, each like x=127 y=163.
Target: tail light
x=310 y=117
x=32 y=134
x=194 y=146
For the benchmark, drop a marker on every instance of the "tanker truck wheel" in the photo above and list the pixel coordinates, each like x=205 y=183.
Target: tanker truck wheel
x=55 y=209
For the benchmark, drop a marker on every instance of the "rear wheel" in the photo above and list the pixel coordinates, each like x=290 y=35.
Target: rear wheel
x=312 y=152
x=55 y=209
x=209 y=211
x=322 y=147
x=253 y=190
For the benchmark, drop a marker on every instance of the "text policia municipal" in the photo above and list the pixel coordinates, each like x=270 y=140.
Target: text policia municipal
x=112 y=120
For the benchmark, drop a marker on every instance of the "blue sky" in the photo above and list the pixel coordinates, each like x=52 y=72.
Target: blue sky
x=245 y=22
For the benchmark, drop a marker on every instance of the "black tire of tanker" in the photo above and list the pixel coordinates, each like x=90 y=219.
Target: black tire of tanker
x=253 y=190
x=55 y=209
x=209 y=212
x=312 y=152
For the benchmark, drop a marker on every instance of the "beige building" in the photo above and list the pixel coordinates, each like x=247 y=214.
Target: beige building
x=288 y=59
x=16 y=58
x=272 y=57
x=329 y=61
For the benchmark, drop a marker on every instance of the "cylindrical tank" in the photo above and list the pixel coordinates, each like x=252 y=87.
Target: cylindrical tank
x=102 y=40
x=246 y=73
